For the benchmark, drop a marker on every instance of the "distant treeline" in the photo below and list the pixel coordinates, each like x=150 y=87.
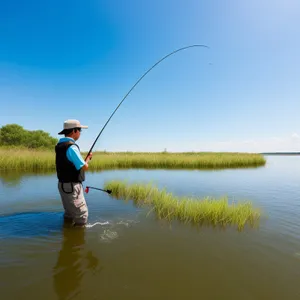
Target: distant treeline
x=16 y=136
x=280 y=153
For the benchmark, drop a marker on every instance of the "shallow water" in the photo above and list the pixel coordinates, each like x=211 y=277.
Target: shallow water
x=127 y=254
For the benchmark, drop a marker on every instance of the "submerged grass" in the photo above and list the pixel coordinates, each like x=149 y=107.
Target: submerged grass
x=32 y=160
x=189 y=210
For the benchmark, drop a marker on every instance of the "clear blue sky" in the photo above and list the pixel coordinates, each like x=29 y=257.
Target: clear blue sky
x=78 y=59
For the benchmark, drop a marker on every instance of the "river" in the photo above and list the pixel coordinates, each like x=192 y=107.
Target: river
x=126 y=253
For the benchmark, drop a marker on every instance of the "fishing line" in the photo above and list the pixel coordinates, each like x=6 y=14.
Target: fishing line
x=180 y=49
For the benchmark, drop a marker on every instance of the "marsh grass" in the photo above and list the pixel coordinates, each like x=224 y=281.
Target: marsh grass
x=167 y=160
x=205 y=211
x=25 y=159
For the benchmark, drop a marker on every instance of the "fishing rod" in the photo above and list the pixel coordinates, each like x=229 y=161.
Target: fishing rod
x=91 y=187
x=180 y=49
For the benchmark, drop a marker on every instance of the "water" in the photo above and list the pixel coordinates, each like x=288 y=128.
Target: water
x=126 y=253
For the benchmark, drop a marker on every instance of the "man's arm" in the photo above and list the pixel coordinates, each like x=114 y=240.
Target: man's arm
x=75 y=157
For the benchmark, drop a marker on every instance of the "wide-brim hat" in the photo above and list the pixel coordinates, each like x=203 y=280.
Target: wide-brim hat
x=70 y=124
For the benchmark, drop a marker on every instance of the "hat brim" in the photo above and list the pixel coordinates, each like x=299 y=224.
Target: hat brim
x=62 y=132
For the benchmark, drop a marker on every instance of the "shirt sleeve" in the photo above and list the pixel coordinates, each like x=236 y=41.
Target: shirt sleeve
x=74 y=156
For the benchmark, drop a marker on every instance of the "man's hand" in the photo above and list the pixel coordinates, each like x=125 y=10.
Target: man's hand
x=89 y=157
x=86 y=166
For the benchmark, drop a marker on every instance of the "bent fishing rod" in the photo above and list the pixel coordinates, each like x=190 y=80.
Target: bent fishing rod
x=158 y=62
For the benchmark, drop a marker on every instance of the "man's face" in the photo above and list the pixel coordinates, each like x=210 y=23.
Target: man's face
x=76 y=134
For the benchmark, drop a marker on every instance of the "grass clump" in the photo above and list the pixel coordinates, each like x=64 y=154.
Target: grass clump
x=188 y=210
x=35 y=160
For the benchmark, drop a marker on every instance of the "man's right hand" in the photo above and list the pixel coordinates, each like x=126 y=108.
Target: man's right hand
x=89 y=157
x=86 y=166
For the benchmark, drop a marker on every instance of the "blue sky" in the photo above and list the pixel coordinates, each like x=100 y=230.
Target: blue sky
x=78 y=59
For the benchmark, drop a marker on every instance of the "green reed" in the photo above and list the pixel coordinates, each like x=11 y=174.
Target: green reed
x=25 y=159
x=188 y=210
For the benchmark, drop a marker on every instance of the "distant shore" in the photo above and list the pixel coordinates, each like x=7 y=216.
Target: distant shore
x=280 y=153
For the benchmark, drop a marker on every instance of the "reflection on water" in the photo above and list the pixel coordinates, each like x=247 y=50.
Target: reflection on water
x=13 y=178
x=72 y=263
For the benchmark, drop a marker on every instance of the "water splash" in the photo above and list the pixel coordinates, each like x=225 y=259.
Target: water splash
x=108 y=235
x=97 y=223
x=111 y=229
x=127 y=223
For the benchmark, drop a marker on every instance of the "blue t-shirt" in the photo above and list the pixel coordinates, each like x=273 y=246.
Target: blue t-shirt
x=73 y=153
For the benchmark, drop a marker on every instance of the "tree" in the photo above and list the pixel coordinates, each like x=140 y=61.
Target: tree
x=13 y=134
x=16 y=135
x=40 y=139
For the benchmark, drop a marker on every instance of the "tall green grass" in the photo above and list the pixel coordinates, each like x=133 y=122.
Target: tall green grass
x=26 y=160
x=34 y=160
x=189 y=210
x=176 y=160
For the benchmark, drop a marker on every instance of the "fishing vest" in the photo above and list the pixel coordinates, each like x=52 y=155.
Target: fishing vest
x=66 y=171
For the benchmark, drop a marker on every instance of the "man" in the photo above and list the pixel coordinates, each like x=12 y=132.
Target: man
x=70 y=168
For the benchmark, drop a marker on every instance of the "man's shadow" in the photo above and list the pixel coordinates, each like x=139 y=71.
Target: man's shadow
x=72 y=263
